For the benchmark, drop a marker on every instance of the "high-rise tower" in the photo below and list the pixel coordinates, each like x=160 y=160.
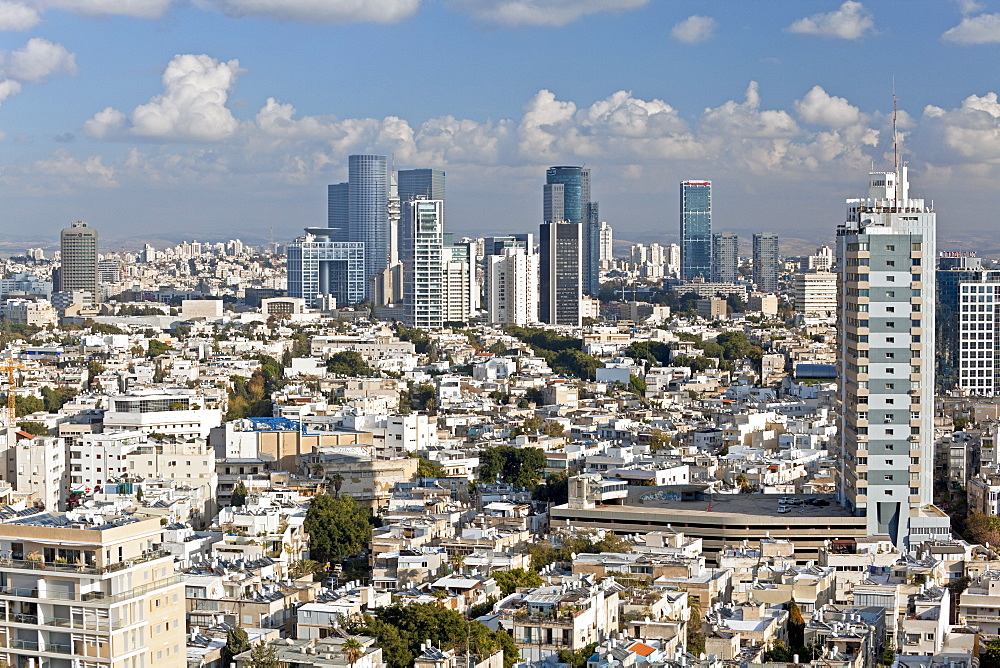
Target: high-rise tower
x=421 y=243
x=566 y=198
x=696 y=229
x=78 y=258
x=368 y=211
x=560 y=277
x=885 y=252
x=725 y=257
x=765 y=262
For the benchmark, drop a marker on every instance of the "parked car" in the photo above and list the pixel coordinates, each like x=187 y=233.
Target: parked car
x=784 y=509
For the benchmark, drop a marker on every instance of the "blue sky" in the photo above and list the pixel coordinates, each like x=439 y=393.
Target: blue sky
x=215 y=118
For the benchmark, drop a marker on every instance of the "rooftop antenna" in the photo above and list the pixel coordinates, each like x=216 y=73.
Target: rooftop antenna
x=895 y=142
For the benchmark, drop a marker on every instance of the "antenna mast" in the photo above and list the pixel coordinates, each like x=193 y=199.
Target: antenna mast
x=895 y=148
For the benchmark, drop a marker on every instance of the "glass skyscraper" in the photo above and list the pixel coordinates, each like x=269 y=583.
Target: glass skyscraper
x=560 y=286
x=766 y=266
x=566 y=198
x=696 y=230
x=368 y=211
x=725 y=257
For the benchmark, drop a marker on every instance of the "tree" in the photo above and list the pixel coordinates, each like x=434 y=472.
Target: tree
x=337 y=526
x=521 y=467
x=237 y=642
x=779 y=653
x=510 y=581
x=348 y=363
x=577 y=659
x=304 y=567
x=239 y=497
x=796 y=625
x=353 y=650
x=54 y=399
x=337 y=480
x=637 y=385
x=156 y=348
x=428 y=469
x=695 y=637
x=27 y=405
x=263 y=655
x=33 y=428
x=982 y=529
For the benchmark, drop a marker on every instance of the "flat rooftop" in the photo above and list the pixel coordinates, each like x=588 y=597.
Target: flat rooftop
x=739 y=504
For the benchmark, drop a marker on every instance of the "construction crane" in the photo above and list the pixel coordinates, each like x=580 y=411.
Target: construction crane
x=10 y=366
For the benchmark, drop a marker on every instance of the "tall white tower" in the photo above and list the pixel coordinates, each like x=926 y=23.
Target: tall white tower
x=885 y=253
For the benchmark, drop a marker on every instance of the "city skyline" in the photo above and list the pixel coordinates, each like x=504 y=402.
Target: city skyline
x=184 y=120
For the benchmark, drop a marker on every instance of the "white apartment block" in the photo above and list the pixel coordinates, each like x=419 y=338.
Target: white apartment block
x=180 y=414
x=979 y=332
x=37 y=469
x=816 y=294
x=512 y=287
x=97 y=459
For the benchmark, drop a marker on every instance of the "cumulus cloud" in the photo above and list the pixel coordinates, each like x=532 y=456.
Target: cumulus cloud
x=17 y=16
x=8 y=87
x=981 y=29
x=89 y=171
x=967 y=134
x=694 y=29
x=850 y=21
x=818 y=107
x=317 y=11
x=146 y=9
x=539 y=12
x=192 y=106
x=747 y=119
x=37 y=60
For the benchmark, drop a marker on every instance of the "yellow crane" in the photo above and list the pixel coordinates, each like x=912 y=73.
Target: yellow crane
x=10 y=366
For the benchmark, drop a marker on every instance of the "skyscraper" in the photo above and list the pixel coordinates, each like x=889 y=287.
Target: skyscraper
x=886 y=342
x=78 y=258
x=422 y=254
x=318 y=265
x=696 y=230
x=967 y=326
x=512 y=286
x=566 y=198
x=725 y=257
x=765 y=262
x=606 y=249
x=425 y=183
x=560 y=276
x=368 y=211
x=337 y=197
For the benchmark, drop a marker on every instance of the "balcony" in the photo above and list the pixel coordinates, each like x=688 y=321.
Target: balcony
x=61 y=567
x=89 y=597
x=87 y=626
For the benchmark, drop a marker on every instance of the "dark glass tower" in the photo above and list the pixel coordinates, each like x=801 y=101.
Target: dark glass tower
x=696 y=230
x=560 y=290
x=368 y=210
x=566 y=198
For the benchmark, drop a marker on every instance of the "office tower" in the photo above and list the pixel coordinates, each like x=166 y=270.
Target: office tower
x=606 y=251
x=887 y=375
x=368 y=211
x=696 y=230
x=967 y=329
x=458 y=279
x=512 y=286
x=560 y=276
x=816 y=295
x=766 y=266
x=421 y=252
x=319 y=266
x=337 y=198
x=725 y=257
x=420 y=183
x=78 y=255
x=566 y=198
x=88 y=589
x=498 y=245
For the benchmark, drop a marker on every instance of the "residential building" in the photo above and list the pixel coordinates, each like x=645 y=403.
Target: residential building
x=560 y=274
x=182 y=413
x=606 y=251
x=89 y=590
x=78 y=259
x=512 y=287
x=37 y=470
x=766 y=265
x=887 y=378
x=725 y=257
x=696 y=230
x=712 y=308
x=459 y=292
x=816 y=294
x=97 y=459
x=422 y=254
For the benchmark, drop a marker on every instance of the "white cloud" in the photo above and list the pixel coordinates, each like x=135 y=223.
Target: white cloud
x=850 y=21
x=8 y=87
x=820 y=108
x=982 y=29
x=17 y=16
x=539 y=12
x=969 y=6
x=318 y=11
x=747 y=120
x=191 y=108
x=37 y=60
x=694 y=29
x=89 y=171
x=967 y=134
x=146 y=9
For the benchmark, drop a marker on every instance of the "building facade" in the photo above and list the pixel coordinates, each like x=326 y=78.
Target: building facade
x=566 y=198
x=816 y=294
x=887 y=376
x=319 y=266
x=512 y=287
x=766 y=266
x=966 y=324
x=368 y=211
x=422 y=254
x=78 y=259
x=696 y=230
x=560 y=274
x=725 y=257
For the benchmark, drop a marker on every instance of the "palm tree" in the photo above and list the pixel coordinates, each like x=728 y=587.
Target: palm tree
x=458 y=559
x=353 y=650
x=338 y=482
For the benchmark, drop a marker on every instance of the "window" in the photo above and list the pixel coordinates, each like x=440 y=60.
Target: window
x=890 y=279
x=890 y=248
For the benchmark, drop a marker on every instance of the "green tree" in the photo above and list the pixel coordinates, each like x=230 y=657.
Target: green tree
x=510 y=580
x=348 y=363
x=637 y=385
x=554 y=489
x=353 y=650
x=577 y=659
x=27 y=405
x=156 y=348
x=337 y=526
x=54 y=399
x=33 y=428
x=239 y=497
x=779 y=653
x=237 y=642
x=521 y=467
x=428 y=469
x=263 y=655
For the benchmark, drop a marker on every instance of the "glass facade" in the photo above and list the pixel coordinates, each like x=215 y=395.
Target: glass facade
x=560 y=290
x=725 y=257
x=318 y=266
x=566 y=198
x=368 y=210
x=696 y=230
x=765 y=262
x=422 y=253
